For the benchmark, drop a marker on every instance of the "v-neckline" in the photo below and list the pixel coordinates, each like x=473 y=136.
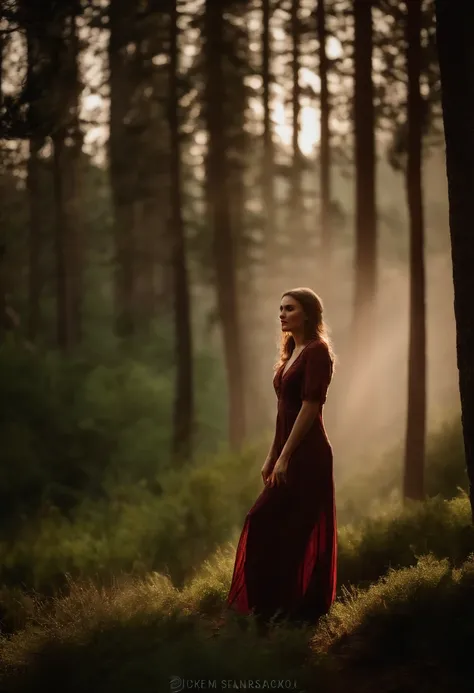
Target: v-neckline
x=283 y=373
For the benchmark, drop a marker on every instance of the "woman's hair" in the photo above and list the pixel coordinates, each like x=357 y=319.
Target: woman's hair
x=315 y=326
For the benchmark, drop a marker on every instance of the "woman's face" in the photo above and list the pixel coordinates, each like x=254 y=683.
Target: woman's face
x=291 y=315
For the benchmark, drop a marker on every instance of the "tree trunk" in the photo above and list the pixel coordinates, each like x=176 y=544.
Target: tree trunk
x=413 y=483
x=2 y=246
x=67 y=142
x=73 y=178
x=296 y=207
x=33 y=175
x=34 y=241
x=456 y=59
x=184 y=398
x=219 y=206
x=139 y=162
x=239 y=152
x=2 y=47
x=366 y=217
x=152 y=193
x=325 y=151
x=64 y=291
x=270 y=218
x=122 y=181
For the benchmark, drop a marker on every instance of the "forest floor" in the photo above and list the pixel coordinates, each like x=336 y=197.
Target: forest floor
x=409 y=631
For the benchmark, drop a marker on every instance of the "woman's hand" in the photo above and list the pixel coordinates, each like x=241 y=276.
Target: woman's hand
x=278 y=476
x=267 y=465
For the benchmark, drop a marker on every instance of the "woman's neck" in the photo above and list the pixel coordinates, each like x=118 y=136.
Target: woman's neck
x=300 y=340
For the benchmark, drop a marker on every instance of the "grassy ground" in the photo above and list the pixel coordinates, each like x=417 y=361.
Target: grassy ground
x=409 y=630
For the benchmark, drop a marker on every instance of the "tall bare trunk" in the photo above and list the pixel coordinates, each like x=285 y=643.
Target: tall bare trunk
x=219 y=207
x=366 y=219
x=270 y=220
x=184 y=397
x=2 y=248
x=121 y=19
x=33 y=177
x=325 y=150
x=139 y=162
x=67 y=144
x=456 y=59
x=296 y=207
x=2 y=42
x=416 y=410
x=64 y=290
x=152 y=193
x=74 y=177
x=34 y=241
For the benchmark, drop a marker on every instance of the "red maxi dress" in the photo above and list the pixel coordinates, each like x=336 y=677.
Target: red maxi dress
x=286 y=558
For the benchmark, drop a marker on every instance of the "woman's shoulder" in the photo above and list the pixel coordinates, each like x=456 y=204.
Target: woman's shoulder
x=317 y=345
x=318 y=350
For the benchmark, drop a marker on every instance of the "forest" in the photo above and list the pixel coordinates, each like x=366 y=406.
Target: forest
x=168 y=170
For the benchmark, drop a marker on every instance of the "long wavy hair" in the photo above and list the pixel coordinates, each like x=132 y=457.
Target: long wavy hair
x=315 y=325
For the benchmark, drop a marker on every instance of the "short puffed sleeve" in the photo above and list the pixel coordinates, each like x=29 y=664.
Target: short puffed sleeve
x=317 y=372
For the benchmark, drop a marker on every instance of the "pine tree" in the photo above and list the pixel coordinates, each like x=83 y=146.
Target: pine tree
x=184 y=393
x=416 y=409
x=456 y=58
x=218 y=198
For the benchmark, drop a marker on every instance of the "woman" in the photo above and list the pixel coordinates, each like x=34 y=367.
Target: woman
x=285 y=564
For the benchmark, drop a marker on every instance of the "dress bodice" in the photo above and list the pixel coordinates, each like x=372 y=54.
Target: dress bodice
x=307 y=378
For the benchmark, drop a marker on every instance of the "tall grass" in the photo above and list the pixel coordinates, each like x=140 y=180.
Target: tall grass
x=409 y=631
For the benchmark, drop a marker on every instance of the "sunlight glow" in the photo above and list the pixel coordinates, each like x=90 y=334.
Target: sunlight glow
x=310 y=132
x=282 y=128
x=160 y=59
x=93 y=101
x=310 y=129
x=94 y=135
x=308 y=78
x=333 y=48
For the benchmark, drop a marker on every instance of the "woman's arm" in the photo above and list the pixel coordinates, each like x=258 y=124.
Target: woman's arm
x=272 y=451
x=269 y=462
x=305 y=419
x=317 y=374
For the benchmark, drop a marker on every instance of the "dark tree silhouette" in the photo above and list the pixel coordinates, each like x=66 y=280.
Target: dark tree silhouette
x=270 y=218
x=325 y=146
x=416 y=410
x=139 y=161
x=121 y=23
x=296 y=208
x=67 y=147
x=366 y=213
x=35 y=51
x=456 y=60
x=218 y=197
x=184 y=394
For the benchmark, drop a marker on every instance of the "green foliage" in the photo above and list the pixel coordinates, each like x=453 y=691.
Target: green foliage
x=171 y=523
x=69 y=424
x=86 y=487
x=136 y=635
x=397 y=537
x=111 y=628
x=446 y=464
x=139 y=632
x=411 y=630
x=73 y=427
